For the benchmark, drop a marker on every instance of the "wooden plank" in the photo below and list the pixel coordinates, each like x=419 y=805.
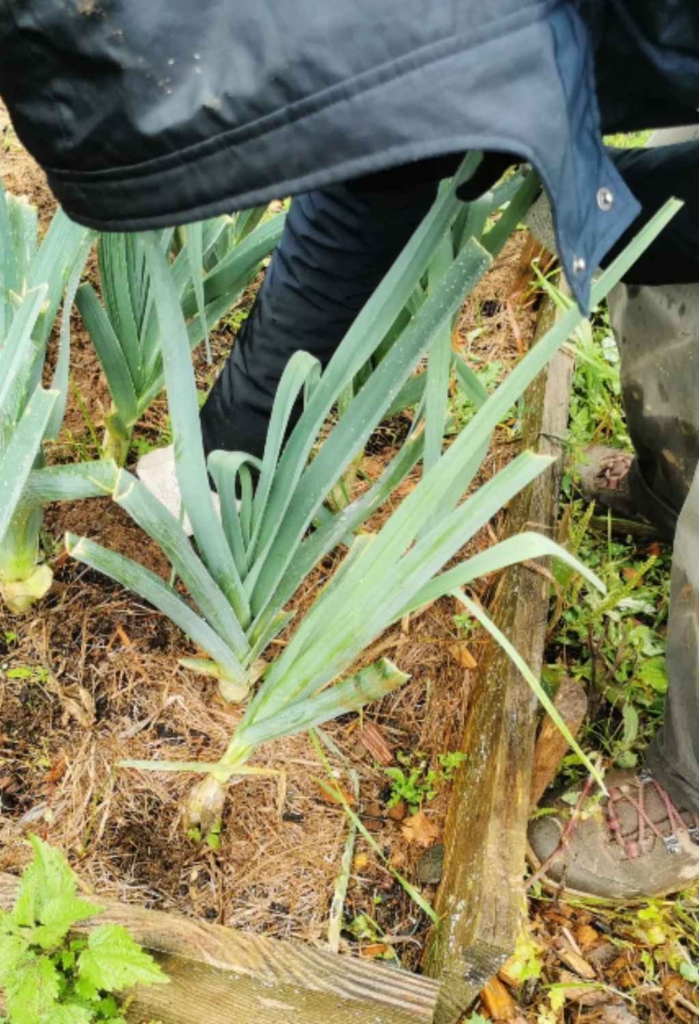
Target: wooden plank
x=222 y=976
x=481 y=896
x=551 y=745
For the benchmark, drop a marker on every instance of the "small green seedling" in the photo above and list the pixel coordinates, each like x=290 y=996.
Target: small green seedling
x=30 y=673
x=364 y=928
x=415 y=782
x=211 y=838
x=48 y=977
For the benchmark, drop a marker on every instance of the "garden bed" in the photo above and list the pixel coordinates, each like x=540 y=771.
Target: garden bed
x=91 y=676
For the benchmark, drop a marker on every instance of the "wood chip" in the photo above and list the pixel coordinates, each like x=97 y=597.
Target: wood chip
x=498 y=1001
x=371 y=817
x=577 y=963
x=586 y=936
x=398 y=812
x=376 y=743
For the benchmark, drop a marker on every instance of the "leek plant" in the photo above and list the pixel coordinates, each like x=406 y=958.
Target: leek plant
x=33 y=279
x=251 y=563
x=212 y=264
x=491 y=219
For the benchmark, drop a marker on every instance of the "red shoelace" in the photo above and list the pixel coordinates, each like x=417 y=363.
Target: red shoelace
x=677 y=822
x=613 y=470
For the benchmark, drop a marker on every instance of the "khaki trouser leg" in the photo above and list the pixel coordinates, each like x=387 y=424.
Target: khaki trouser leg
x=657 y=330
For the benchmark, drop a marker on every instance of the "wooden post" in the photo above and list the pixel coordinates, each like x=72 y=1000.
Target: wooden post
x=481 y=896
x=223 y=976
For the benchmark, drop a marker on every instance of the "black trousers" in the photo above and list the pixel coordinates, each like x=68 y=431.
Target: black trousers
x=336 y=247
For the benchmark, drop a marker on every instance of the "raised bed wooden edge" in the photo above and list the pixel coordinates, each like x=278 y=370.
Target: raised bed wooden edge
x=481 y=896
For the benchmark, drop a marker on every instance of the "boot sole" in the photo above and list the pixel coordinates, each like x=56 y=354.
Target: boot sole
x=611 y=901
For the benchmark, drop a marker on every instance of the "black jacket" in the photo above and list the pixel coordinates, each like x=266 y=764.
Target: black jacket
x=153 y=112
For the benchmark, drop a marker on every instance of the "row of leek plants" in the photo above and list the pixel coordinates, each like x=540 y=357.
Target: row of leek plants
x=212 y=262
x=33 y=280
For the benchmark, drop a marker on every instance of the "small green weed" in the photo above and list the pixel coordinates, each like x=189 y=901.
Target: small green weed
x=364 y=928
x=461 y=408
x=212 y=839
x=614 y=643
x=30 y=673
x=415 y=782
x=236 y=318
x=142 y=444
x=666 y=932
x=49 y=978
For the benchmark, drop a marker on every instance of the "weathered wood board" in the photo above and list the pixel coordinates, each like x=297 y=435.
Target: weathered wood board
x=222 y=976
x=481 y=896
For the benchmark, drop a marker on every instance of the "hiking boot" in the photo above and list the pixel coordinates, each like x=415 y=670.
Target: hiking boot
x=157 y=473
x=605 y=479
x=635 y=843
x=613 y=479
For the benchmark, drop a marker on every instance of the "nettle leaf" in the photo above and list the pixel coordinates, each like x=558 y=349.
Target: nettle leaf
x=49 y=877
x=85 y=989
x=108 y=1008
x=32 y=990
x=654 y=674
x=113 y=961
x=13 y=949
x=69 y=1014
x=58 y=916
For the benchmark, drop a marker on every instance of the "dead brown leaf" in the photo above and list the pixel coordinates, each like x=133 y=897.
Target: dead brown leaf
x=577 y=963
x=419 y=829
x=463 y=656
x=397 y=859
x=77 y=703
x=376 y=951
